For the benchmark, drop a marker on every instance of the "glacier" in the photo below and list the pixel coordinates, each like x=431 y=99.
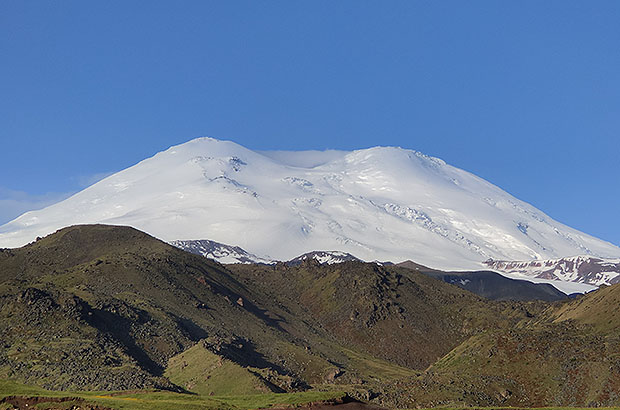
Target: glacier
x=381 y=203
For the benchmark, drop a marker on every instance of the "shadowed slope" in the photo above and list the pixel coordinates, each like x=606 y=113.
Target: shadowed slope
x=492 y=285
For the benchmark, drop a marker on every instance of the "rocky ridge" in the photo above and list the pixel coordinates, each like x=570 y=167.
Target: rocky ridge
x=581 y=269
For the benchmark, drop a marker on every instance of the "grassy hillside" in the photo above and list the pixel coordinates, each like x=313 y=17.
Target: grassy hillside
x=132 y=302
x=153 y=400
x=199 y=370
x=390 y=313
x=565 y=354
x=101 y=308
x=598 y=309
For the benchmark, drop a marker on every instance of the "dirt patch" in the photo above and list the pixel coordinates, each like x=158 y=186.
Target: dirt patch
x=340 y=404
x=343 y=406
x=51 y=403
x=128 y=392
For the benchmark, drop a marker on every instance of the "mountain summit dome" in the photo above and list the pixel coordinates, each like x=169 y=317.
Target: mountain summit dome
x=380 y=203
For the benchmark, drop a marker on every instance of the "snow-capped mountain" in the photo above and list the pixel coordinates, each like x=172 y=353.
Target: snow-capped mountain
x=323 y=258
x=226 y=254
x=381 y=203
x=220 y=252
x=580 y=269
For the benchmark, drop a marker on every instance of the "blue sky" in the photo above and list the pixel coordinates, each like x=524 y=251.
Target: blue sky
x=525 y=94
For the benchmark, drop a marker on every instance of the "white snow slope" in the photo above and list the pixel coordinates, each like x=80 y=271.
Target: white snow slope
x=381 y=203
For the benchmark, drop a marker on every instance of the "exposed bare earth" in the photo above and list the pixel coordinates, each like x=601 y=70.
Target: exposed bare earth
x=24 y=402
x=336 y=405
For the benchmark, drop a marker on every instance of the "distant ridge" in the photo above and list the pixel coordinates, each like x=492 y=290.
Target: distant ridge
x=487 y=284
x=324 y=257
x=580 y=269
x=229 y=254
x=492 y=285
x=220 y=252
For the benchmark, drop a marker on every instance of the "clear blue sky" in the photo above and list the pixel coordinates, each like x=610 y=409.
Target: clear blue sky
x=525 y=94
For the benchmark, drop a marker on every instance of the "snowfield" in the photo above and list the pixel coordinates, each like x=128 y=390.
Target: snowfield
x=382 y=203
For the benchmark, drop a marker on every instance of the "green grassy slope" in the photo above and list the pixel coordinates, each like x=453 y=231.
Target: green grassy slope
x=566 y=354
x=599 y=309
x=110 y=308
x=162 y=400
x=131 y=302
x=101 y=307
x=199 y=370
x=390 y=313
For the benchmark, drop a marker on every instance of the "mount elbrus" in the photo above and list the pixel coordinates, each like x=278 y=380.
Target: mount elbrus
x=382 y=203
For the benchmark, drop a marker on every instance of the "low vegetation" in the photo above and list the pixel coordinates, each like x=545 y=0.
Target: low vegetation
x=111 y=317
x=155 y=400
